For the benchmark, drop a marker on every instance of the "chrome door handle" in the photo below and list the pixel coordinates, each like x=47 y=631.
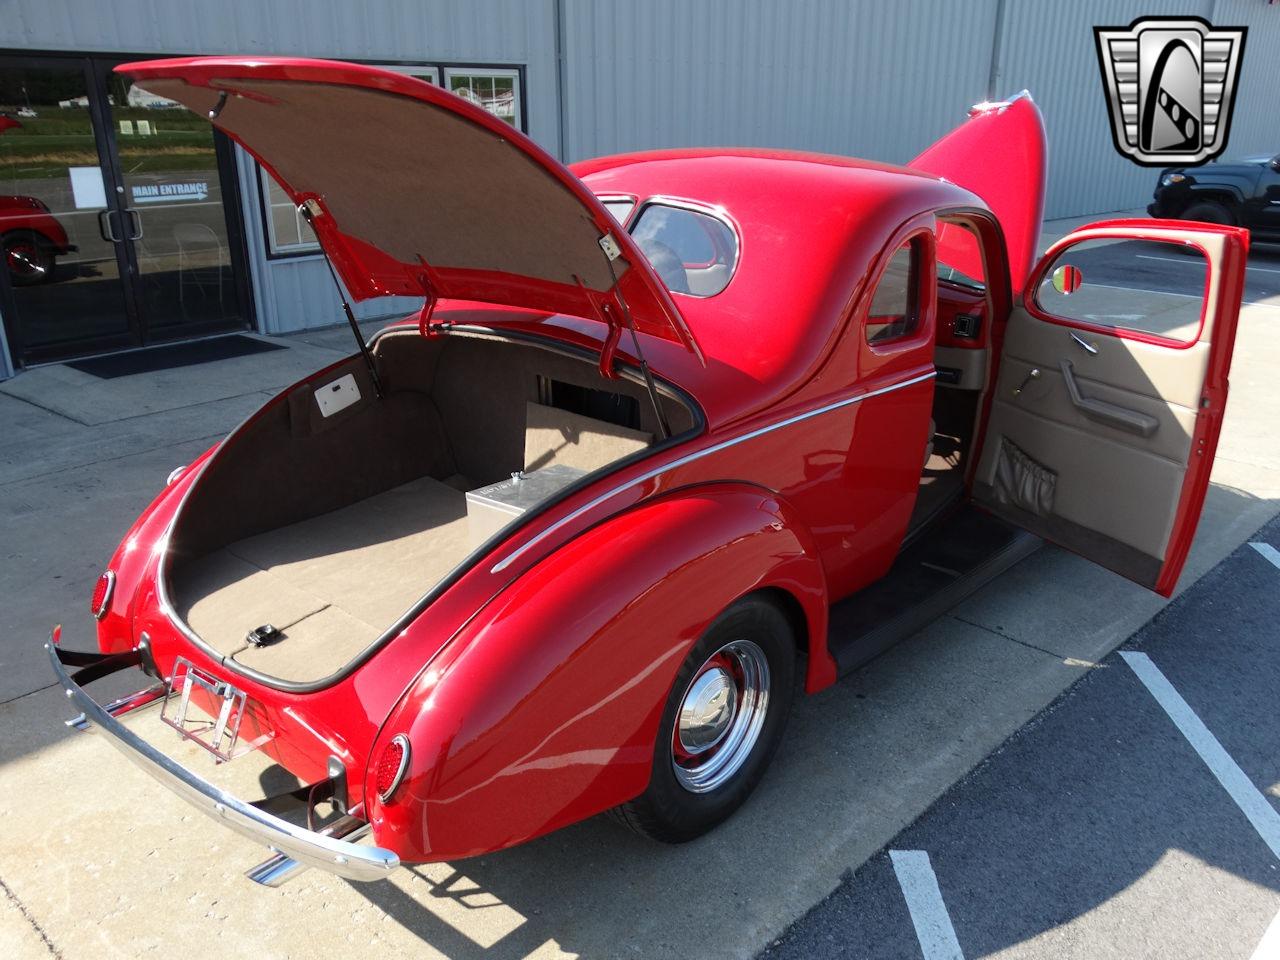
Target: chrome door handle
x=1033 y=375
x=1084 y=344
x=135 y=220
x=107 y=226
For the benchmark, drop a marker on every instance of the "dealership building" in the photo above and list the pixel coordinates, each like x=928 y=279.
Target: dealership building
x=129 y=222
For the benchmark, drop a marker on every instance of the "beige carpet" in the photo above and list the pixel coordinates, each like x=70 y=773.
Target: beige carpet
x=332 y=584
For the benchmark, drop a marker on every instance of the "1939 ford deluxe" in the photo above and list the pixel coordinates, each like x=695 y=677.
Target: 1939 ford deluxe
x=567 y=539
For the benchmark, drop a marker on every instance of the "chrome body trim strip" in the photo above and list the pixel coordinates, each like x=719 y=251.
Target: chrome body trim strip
x=698 y=455
x=307 y=847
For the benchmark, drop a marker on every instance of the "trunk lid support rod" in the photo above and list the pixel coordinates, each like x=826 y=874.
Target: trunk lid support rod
x=609 y=247
x=308 y=209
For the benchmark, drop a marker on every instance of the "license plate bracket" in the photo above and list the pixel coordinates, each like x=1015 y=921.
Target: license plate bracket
x=218 y=733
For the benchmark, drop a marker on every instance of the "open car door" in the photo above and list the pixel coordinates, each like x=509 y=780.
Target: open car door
x=1110 y=392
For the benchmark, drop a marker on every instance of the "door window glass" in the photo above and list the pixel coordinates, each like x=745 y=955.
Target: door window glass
x=174 y=210
x=894 y=310
x=1150 y=287
x=56 y=216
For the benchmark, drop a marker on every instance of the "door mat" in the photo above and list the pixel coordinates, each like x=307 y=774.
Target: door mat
x=173 y=355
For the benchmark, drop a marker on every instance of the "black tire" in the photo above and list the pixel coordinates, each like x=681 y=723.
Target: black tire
x=28 y=257
x=669 y=811
x=1209 y=211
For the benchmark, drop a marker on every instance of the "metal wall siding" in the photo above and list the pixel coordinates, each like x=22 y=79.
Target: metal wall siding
x=1255 y=124
x=873 y=79
x=1048 y=48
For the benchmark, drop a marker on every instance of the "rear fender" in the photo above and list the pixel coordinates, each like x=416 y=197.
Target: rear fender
x=134 y=559
x=544 y=710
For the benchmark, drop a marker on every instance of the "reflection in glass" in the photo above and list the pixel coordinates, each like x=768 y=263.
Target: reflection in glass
x=1151 y=287
x=495 y=92
x=53 y=195
x=176 y=220
x=692 y=252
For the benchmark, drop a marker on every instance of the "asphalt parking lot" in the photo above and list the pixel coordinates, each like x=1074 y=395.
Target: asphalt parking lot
x=1118 y=823
x=100 y=863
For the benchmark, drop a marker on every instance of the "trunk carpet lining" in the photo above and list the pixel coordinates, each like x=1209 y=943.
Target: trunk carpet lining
x=331 y=583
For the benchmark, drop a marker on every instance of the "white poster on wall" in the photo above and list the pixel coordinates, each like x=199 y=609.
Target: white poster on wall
x=87 y=188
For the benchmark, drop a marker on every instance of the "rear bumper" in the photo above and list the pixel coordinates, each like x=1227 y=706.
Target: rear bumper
x=331 y=850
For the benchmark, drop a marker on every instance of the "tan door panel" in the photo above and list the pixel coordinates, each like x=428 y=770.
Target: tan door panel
x=1101 y=484
x=1045 y=395
x=1105 y=479
x=1174 y=374
x=1110 y=392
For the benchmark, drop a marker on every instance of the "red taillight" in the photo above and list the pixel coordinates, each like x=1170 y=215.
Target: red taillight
x=102 y=591
x=391 y=767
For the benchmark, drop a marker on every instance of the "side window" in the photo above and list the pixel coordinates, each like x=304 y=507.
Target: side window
x=693 y=253
x=620 y=207
x=894 y=310
x=1152 y=287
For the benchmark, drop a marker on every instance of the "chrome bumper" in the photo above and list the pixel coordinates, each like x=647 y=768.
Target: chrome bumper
x=331 y=849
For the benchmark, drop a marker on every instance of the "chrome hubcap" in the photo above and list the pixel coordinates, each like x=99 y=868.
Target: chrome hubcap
x=721 y=716
x=707 y=711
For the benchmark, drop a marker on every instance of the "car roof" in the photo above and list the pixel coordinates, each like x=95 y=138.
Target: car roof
x=809 y=227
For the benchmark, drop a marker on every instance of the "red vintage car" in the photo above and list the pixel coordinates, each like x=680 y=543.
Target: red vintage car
x=671 y=434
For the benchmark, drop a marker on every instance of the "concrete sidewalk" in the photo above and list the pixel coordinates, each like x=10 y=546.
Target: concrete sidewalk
x=104 y=863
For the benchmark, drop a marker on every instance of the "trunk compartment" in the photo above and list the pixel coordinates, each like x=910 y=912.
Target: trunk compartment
x=330 y=527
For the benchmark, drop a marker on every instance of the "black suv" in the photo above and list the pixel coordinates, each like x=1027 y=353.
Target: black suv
x=1245 y=194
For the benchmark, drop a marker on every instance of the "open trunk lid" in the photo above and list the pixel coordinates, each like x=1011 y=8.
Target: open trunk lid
x=414 y=191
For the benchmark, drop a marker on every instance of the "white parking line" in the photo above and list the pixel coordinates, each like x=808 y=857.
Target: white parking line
x=1248 y=798
x=1269 y=946
x=1185 y=261
x=1268 y=551
x=924 y=901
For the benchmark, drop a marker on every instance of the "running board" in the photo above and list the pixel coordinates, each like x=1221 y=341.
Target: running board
x=960 y=555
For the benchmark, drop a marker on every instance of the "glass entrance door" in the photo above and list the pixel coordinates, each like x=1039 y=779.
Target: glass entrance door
x=112 y=216
x=174 y=217
x=66 y=278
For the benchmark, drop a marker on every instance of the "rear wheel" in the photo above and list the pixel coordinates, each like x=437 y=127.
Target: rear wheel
x=722 y=722
x=1209 y=211
x=28 y=257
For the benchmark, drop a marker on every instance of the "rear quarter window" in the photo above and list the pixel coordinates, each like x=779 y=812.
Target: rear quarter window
x=692 y=252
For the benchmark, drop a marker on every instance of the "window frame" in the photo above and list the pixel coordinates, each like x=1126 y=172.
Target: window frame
x=439 y=70
x=448 y=72
x=1044 y=270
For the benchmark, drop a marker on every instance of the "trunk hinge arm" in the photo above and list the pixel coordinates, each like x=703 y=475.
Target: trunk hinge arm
x=308 y=208
x=427 y=327
x=609 y=246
